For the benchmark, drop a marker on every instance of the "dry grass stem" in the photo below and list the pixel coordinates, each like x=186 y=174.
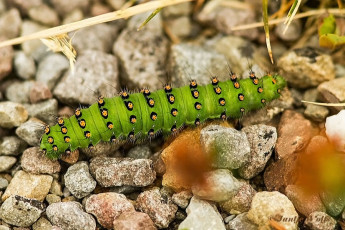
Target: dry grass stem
x=324 y=104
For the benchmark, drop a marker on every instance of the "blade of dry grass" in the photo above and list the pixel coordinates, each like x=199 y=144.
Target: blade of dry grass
x=149 y=18
x=267 y=28
x=63 y=29
x=324 y=104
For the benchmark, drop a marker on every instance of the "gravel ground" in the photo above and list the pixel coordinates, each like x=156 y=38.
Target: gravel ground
x=252 y=184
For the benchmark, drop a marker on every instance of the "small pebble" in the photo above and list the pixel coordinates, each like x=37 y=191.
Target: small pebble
x=306 y=67
x=6 y=163
x=335 y=130
x=45 y=15
x=227 y=147
x=134 y=221
x=333 y=92
x=39 y=92
x=241 y=222
x=122 y=171
x=106 y=207
x=315 y=144
x=29 y=186
x=292 y=33
x=34 y=161
x=6 y=58
x=273 y=205
x=42 y=224
x=31 y=131
x=19 y=91
x=56 y=188
x=12 y=114
x=3 y=183
x=79 y=181
x=202 y=215
x=102 y=149
x=45 y=110
x=334 y=203
x=219 y=185
x=65 y=6
x=177 y=30
x=161 y=211
x=26 y=5
x=24 y=65
x=182 y=198
x=320 y=221
x=174 y=11
x=316 y=113
x=262 y=139
x=70 y=216
x=140 y=152
x=12 y=145
x=52 y=198
x=21 y=211
x=10 y=23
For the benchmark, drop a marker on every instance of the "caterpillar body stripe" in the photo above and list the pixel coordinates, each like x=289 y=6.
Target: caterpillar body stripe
x=139 y=115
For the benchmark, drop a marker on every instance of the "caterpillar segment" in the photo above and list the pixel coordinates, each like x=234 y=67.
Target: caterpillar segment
x=143 y=115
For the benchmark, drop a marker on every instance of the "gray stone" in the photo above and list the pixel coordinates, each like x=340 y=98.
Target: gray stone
x=12 y=145
x=31 y=131
x=182 y=198
x=182 y=9
x=310 y=95
x=333 y=92
x=45 y=15
x=241 y=222
x=19 y=91
x=202 y=216
x=46 y=110
x=77 y=87
x=140 y=152
x=56 y=188
x=24 y=6
x=21 y=211
x=161 y=210
x=122 y=171
x=316 y=112
x=24 y=65
x=66 y=6
x=52 y=198
x=10 y=23
x=221 y=186
x=6 y=163
x=12 y=114
x=306 y=67
x=320 y=221
x=177 y=30
x=292 y=33
x=262 y=139
x=142 y=58
x=195 y=62
x=79 y=181
x=334 y=203
x=3 y=183
x=227 y=147
x=51 y=68
x=70 y=216
x=42 y=224
x=36 y=162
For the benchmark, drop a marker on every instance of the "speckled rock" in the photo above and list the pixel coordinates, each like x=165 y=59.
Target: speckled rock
x=335 y=130
x=306 y=67
x=219 y=185
x=262 y=139
x=268 y=205
x=31 y=131
x=304 y=203
x=99 y=37
x=34 y=161
x=51 y=68
x=241 y=201
x=218 y=16
x=89 y=66
x=281 y=173
x=65 y=6
x=79 y=181
x=39 y=92
x=28 y=185
x=241 y=222
x=71 y=158
x=52 y=198
x=228 y=147
x=142 y=58
x=56 y=188
x=6 y=57
x=21 y=211
x=12 y=145
x=24 y=65
x=182 y=198
x=161 y=210
x=334 y=203
x=106 y=207
x=201 y=62
x=44 y=15
x=43 y=110
x=320 y=221
x=19 y=91
x=294 y=133
x=140 y=152
x=197 y=210
x=12 y=114
x=42 y=224
x=333 y=91
x=10 y=23
x=70 y=216
x=292 y=33
x=34 y=48
x=6 y=162
x=134 y=221
x=122 y=171
x=316 y=112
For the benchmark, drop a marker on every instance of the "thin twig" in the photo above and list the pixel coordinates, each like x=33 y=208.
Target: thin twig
x=93 y=21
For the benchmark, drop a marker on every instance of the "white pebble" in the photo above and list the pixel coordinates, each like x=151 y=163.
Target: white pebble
x=335 y=130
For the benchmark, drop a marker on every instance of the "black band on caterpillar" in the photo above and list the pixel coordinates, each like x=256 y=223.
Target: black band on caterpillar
x=144 y=114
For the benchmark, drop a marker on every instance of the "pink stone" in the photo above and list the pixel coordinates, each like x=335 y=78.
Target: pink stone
x=134 y=221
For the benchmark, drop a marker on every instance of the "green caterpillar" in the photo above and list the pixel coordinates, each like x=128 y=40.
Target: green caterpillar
x=145 y=114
